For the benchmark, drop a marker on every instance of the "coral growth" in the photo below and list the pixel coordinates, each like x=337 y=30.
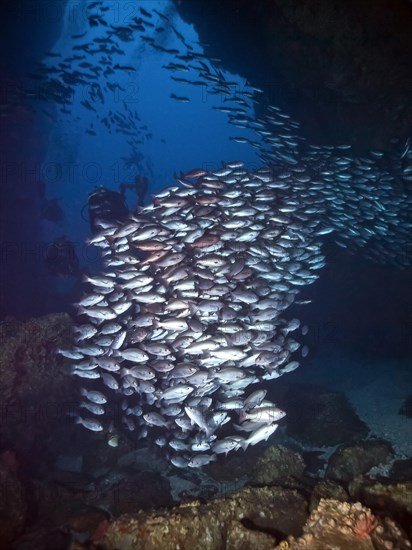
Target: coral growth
x=365 y=524
x=342 y=526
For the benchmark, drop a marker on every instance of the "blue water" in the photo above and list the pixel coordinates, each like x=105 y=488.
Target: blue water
x=69 y=163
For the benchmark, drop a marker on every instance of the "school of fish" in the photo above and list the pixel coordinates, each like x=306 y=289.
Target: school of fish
x=190 y=314
x=190 y=311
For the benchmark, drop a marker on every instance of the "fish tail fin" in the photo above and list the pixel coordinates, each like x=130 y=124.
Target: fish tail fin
x=80 y=310
x=244 y=444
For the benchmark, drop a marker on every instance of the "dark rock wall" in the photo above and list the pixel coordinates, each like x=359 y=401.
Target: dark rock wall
x=28 y=28
x=342 y=69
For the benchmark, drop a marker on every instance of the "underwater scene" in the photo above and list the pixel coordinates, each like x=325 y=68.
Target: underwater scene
x=206 y=275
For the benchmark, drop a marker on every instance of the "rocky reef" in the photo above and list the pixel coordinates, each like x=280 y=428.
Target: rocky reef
x=353 y=461
x=63 y=491
x=318 y=415
x=279 y=507
x=254 y=518
x=342 y=525
x=244 y=520
x=35 y=389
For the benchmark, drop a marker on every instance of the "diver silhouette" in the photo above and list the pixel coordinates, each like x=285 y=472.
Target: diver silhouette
x=106 y=205
x=61 y=258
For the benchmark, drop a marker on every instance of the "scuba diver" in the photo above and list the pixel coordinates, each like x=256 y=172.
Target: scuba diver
x=106 y=205
x=61 y=258
x=140 y=185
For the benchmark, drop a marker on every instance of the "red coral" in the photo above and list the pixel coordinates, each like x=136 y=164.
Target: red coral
x=365 y=524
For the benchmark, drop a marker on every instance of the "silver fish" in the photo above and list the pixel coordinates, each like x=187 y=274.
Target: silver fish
x=90 y=424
